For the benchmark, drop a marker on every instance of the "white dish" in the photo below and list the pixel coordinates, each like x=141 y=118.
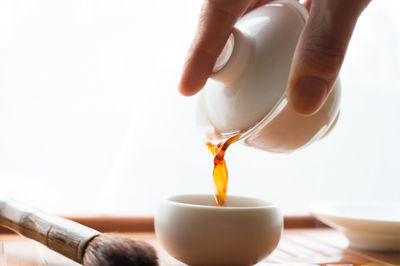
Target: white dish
x=194 y=231
x=367 y=225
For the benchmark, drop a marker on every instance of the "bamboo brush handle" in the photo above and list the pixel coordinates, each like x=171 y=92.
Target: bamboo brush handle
x=61 y=235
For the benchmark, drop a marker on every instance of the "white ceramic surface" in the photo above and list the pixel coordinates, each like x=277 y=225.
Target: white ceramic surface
x=367 y=225
x=196 y=232
x=247 y=93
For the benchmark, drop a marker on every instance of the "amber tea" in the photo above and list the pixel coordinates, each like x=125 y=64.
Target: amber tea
x=220 y=173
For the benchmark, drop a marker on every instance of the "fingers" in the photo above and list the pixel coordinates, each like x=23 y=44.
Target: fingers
x=216 y=21
x=307 y=4
x=320 y=52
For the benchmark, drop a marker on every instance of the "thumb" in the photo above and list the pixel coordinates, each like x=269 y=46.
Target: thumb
x=320 y=52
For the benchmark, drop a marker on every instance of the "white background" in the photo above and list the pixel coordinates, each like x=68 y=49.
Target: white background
x=91 y=121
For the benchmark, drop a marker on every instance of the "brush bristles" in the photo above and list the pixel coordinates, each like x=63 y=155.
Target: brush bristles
x=116 y=250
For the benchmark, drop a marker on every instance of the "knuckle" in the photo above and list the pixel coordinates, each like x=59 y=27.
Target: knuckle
x=226 y=9
x=220 y=9
x=324 y=52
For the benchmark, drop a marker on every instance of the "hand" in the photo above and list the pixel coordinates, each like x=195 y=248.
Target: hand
x=317 y=60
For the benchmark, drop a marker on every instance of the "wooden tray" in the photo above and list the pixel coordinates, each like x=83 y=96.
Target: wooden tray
x=305 y=242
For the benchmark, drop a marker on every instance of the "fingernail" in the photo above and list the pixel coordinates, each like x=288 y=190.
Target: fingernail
x=308 y=94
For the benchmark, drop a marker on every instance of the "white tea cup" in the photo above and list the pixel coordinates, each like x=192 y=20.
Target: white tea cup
x=196 y=232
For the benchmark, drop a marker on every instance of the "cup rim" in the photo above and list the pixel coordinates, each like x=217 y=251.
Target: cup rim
x=263 y=203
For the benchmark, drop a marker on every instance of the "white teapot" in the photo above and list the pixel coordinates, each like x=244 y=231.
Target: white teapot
x=246 y=92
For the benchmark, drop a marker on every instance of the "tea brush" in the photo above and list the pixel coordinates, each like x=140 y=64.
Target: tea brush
x=73 y=240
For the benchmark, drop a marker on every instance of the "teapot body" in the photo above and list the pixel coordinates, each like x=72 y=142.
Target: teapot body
x=246 y=94
x=285 y=131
